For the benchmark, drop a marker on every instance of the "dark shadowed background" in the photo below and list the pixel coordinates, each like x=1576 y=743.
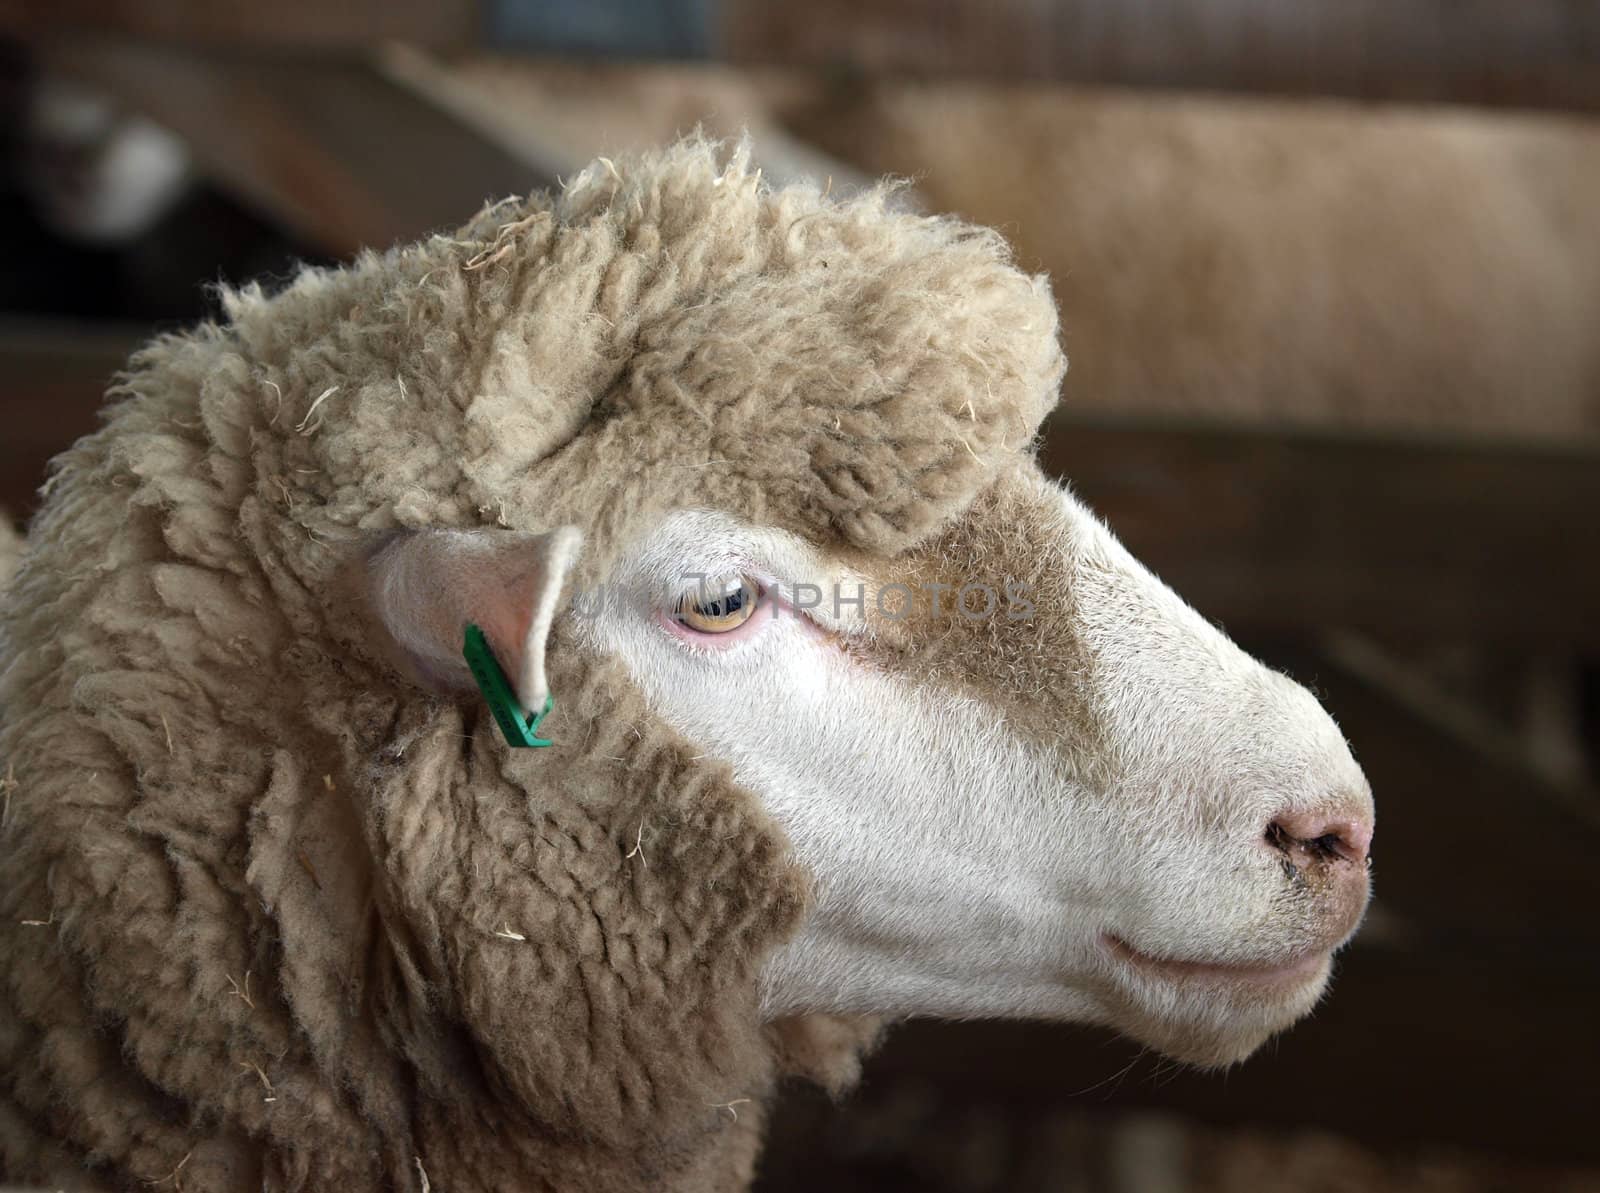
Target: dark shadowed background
x=1330 y=276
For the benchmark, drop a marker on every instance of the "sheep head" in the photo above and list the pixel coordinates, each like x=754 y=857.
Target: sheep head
x=1055 y=792
x=856 y=712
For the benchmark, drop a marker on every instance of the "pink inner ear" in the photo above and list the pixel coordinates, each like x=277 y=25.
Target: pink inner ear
x=505 y=615
x=428 y=586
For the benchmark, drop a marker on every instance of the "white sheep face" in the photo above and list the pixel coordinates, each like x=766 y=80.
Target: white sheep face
x=1182 y=871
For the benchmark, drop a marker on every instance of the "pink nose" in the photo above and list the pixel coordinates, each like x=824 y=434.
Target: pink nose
x=1322 y=836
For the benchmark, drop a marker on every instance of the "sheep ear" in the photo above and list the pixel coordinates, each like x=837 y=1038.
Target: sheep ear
x=427 y=586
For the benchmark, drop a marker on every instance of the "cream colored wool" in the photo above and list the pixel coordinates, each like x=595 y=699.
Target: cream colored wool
x=276 y=918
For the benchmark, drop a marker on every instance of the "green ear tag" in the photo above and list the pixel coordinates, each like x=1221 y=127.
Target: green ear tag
x=517 y=726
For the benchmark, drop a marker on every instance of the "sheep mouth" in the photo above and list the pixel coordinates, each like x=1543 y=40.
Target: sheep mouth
x=1266 y=976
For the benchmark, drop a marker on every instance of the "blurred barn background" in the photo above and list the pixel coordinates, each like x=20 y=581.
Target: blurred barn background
x=1330 y=276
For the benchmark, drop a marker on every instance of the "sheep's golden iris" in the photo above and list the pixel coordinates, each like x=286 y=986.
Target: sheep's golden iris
x=717 y=608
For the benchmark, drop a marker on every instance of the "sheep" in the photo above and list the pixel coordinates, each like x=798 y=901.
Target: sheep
x=856 y=715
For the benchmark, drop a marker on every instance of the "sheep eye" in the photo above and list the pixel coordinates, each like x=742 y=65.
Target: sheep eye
x=708 y=612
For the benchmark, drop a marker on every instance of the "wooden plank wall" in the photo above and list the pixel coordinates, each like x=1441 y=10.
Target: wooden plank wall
x=315 y=25
x=1279 y=531
x=1532 y=53
x=1529 y=53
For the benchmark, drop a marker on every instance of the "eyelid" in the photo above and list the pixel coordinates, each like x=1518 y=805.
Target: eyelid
x=692 y=588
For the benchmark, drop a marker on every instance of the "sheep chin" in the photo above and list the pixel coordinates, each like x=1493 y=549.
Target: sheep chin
x=1215 y=1021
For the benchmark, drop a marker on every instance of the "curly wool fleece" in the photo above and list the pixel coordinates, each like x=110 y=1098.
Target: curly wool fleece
x=276 y=918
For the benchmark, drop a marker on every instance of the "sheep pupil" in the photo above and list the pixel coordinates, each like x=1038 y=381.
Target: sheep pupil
x=724 y=605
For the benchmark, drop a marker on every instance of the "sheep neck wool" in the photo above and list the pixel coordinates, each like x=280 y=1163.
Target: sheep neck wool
x=277 y=918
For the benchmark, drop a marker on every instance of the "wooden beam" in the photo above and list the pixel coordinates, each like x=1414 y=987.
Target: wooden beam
x=1280 y=531
x=346 y=157
x=286 y=24
x=1523 y=53
x=557 y=116
x=1528 y=53
x=1466 y=717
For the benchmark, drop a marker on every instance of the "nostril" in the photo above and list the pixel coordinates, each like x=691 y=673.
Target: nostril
x=1317 y=835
